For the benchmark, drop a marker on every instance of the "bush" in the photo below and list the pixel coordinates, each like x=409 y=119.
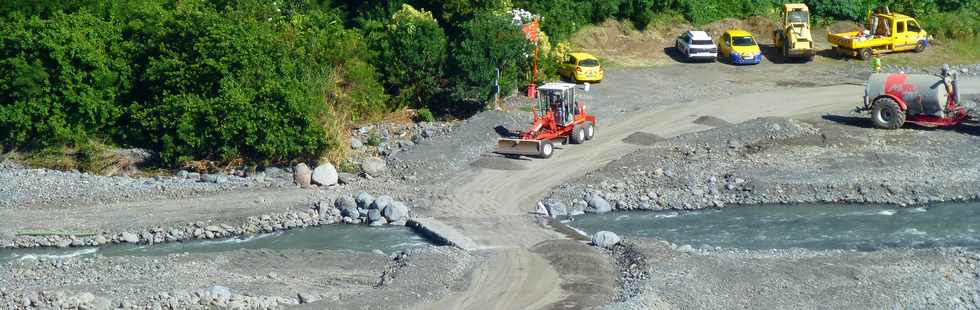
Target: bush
x=59 y=79
x=424 y=115
x=411 y=57
x=487 y=43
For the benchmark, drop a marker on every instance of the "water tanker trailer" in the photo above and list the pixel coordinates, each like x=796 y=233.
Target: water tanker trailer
x=922 y=99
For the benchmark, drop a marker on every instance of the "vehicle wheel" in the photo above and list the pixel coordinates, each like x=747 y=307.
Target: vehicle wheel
x=920 y=47
x=546 y=149
x=589 y=131
x=866 y=54
x=578 y=135
x=886 y=114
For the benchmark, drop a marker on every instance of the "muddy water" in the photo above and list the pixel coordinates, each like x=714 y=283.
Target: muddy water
x=814 y=226
x=329 y=237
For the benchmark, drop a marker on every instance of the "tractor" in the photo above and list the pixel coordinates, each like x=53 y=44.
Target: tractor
x=794 y=39
x=558 y=118
x=926 y=100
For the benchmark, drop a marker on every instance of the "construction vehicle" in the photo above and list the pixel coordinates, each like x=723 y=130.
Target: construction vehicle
x=885 y=32
x=926 y=100
x=794 y=39
x=558 y=118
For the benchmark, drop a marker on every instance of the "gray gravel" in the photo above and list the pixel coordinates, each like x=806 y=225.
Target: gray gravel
x=244 y=279
x=23 y=187
x=789 y=161
x=715 y=278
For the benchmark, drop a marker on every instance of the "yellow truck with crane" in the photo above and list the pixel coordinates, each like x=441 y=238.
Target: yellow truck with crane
x=884 y=32
x=793 y=39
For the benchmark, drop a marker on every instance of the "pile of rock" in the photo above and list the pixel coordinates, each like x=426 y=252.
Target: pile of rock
x=367 y=209
x=216 y=296
x=390 y=138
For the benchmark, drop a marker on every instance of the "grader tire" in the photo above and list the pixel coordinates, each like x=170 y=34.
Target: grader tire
x=886 y=114
x=546 y=149
x=578 y=135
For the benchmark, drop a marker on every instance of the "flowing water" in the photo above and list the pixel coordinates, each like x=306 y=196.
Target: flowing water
x=330 y=237
x=813 y=226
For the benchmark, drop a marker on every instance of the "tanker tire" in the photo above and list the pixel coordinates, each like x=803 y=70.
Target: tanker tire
x=578 y=135
x=589 y=131
x=866 y=53
x=546 y=149
x=886 y=114
x=920 y=47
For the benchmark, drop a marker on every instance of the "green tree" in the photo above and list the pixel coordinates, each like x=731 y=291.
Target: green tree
x=487 y=43
x=412 y=55
x=59 y=79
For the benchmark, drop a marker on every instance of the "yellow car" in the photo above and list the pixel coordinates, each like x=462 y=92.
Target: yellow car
x=581 y=67
x=738 y=47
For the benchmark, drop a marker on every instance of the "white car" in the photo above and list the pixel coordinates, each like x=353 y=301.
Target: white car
x=696 y=45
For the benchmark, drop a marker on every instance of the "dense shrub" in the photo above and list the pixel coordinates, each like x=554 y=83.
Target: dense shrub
x=487 y=43
x=411 y=55
x=59 y=79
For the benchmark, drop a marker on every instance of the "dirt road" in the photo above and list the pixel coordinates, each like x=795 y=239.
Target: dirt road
x=490 y=206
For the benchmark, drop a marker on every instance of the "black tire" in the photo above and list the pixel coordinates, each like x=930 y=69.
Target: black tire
x=578 y=135
x=920 y=47
x=886 y=114
x=547 y=149
x=865 y=53
x=589 y=131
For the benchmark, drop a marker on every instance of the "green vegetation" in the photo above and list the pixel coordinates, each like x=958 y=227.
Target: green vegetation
x=277 y=81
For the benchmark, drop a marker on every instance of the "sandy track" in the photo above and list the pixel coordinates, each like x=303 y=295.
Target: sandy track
x=490 y=206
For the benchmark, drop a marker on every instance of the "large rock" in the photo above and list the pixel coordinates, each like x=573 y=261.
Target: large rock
x=382 y=202
x=374 y=215
x=395 y=211
x=219 y=295
x=555 y=208
x=302 y=175
x=364 y=200
x=356 y=143
x=325 y=175
x=345 y=202
x=373 y=166
x=130 y=237
x=598 y=205
x=605 y=239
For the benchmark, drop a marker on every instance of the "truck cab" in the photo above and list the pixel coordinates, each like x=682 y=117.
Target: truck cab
x=884 y=32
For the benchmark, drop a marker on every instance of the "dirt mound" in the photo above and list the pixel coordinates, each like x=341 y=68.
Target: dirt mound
x=759 y=26
x=620 y=43
x=643 y=138
x=498 y=163
x=712 y=121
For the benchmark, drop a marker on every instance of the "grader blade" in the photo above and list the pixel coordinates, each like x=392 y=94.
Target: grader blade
x=518 y=147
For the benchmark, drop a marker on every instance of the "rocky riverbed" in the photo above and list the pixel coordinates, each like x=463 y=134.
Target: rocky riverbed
x=686 y=277
x=242 y=279
x=776 y=160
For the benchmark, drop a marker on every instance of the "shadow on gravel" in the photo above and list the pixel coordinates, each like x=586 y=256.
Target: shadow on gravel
x=676 y=55
x=505 y=133
x=862 y=122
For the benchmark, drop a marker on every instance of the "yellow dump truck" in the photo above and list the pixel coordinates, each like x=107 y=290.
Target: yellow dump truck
x=884 y=32
x=794 y=39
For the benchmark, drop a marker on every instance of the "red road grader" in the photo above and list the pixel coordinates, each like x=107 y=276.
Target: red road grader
x=925 y=100
x=558 y=118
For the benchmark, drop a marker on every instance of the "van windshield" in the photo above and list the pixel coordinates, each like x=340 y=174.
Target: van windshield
x=589 y=63
x=743 y=41
x=702 y=42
